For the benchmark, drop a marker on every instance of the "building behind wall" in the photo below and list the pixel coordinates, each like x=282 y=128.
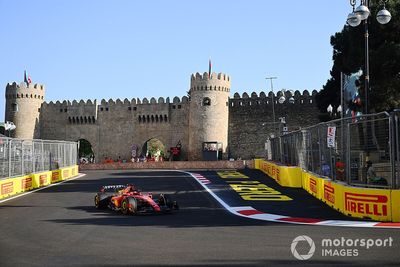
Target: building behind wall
x=242 y=123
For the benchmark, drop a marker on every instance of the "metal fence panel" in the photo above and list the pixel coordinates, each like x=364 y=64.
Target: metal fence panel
x=362 y=151
x=21 y=157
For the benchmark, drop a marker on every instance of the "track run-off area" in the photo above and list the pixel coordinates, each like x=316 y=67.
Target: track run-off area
x=59 y=225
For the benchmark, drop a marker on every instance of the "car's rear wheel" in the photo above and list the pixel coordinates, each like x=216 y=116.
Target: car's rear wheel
x=125 y=206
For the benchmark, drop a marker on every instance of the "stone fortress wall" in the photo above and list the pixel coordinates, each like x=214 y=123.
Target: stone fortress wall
x=251 y=119
x=242 y=123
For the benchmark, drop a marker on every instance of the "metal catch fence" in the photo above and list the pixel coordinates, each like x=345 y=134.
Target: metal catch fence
x=20 y=157
x=361 y=151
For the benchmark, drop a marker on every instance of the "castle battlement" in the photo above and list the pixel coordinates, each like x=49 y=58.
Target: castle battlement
x=286 y=93
x=23 y=90
x=215 y=82
x=281 y=97
x=206 y=77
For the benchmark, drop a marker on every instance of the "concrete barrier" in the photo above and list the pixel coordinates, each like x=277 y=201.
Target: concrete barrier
x=15 y=185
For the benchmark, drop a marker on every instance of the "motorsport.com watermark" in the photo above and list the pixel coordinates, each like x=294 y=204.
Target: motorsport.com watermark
x=337 y=247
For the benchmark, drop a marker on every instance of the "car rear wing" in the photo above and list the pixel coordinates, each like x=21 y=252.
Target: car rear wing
x=112 y=188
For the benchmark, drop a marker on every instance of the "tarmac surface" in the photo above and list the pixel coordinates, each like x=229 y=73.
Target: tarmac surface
x=59 y=226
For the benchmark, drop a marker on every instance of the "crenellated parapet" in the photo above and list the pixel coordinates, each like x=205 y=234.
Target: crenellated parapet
x=213 y=82
x=23 y=90
x=280 y=97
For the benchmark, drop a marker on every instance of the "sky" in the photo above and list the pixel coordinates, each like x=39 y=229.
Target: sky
x=110 y=49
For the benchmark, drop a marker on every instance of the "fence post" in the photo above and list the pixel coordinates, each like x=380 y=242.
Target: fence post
x=392 y=150
x=348 y=154
x=9 y=157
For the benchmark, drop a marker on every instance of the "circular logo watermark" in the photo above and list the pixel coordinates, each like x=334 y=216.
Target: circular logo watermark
x=310 y=243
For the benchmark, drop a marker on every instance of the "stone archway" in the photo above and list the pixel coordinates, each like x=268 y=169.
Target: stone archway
x=154 y=149
x=85 y=152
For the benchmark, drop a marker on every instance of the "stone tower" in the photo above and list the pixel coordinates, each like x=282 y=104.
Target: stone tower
x=23 y=103
x=209 y=110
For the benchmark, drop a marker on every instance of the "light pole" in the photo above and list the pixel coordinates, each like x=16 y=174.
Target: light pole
x=273 y=100
x=361 y=13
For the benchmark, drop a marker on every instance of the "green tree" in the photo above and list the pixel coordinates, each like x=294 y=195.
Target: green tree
x=384 y=60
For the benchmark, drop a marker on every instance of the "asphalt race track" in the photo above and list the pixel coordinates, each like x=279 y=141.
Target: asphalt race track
x=59 y=226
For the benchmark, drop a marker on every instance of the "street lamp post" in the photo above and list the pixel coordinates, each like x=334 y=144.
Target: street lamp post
x=361 y=13
x=273 y=100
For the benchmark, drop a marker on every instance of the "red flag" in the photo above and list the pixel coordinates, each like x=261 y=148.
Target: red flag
x=27 y=79
x=209 y=68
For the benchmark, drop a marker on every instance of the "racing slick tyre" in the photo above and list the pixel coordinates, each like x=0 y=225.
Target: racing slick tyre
x=125 y=206
x=100 y=203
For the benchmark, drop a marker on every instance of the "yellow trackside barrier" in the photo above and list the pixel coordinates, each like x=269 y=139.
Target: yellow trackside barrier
x=257 y=164
x=313 y=184
x=16 y=185
x=375 y=204
x=12 y=186
x=395 y=205
x=41 y=179
x=332 y=194
x=56 y=176
x=285 y=176
x=366 y=203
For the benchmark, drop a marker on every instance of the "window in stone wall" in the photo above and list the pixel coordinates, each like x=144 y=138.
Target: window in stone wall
x=61 y=110
x=134 y=108
x=179 y=106
x=206 y=101
x=89 y=120
x=156 y=117
x=129 y=108
x=165 y=118
x=69 y=120
x=106 y=108
x=85 y=119
x=101 y=109
x=73 y=119
x=38 y=110
x=140 y=119
x=173 y=107
x=65 y=110
x=161 y=118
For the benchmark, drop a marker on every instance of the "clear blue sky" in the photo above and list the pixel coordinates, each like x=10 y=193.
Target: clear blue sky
x=97 y=49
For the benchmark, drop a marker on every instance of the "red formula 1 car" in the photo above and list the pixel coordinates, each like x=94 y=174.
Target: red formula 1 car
x=128 y=199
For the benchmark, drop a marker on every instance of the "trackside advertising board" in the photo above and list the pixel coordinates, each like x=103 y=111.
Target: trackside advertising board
x=16 y=185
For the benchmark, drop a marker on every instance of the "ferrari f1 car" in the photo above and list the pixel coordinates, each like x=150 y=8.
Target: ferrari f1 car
x=128 y=199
